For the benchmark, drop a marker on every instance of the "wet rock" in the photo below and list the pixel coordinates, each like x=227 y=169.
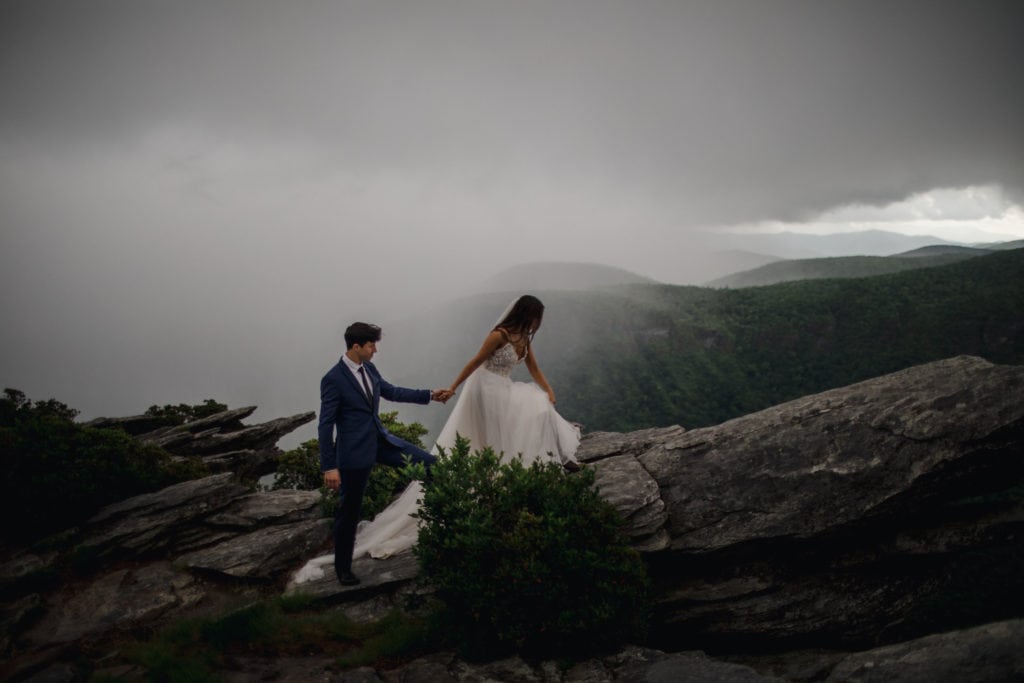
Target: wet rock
x=598 y=445
x=811 y=466
x=268 y=507
x=264 y=554
x=992 y=652
x=373 y=574
x=150 y=523
x=122 y=598
x=842 y=519
x=133 y=424
x=175 y=438
x=623 y=482
x=224 y=432
x=434 y=668
x=15 y=616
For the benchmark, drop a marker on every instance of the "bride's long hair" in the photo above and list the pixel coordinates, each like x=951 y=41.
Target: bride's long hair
x=525 y=317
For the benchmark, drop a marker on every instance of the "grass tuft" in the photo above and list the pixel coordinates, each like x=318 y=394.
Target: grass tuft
x=196 y=649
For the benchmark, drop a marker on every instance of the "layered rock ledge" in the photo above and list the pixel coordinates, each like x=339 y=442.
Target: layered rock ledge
x=865 y=533
x=222 y=441
x=855 y=516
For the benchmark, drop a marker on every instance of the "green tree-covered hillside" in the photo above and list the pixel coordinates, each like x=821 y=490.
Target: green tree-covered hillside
x=645 y=356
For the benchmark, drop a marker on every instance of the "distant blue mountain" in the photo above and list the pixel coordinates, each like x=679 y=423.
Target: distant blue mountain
x=790 y=245
x=856 y=266
x=839 y=267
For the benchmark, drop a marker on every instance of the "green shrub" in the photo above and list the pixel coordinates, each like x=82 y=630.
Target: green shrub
x=200 y=648
x=56 y=473
x=299 y=468
x=528 y=559
x=180 y=414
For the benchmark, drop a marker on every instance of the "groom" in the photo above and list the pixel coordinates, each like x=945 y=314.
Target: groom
x=350 y=395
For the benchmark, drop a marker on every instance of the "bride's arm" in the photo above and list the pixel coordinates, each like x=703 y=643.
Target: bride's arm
x=538 y=376
x=491 y=344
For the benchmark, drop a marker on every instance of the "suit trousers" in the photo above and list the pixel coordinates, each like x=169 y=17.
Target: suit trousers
x=350 y=497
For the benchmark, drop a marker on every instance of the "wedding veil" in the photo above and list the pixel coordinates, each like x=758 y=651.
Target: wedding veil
x=504 y=313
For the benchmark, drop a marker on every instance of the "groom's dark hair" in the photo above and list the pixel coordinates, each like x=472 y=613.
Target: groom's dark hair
x=361 y=333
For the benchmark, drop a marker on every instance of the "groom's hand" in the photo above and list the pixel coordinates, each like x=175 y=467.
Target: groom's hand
x=441 y=395
x=332 y=479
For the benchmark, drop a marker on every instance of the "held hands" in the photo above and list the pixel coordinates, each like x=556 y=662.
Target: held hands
x=441 y=395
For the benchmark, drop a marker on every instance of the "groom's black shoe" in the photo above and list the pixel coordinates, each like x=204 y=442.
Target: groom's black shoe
x=571 y=466
x=348 y=579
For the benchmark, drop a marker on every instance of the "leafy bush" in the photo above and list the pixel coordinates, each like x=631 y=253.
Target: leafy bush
x=182 y=413
x=299 y=468
x=57 y=473
x=528 y=559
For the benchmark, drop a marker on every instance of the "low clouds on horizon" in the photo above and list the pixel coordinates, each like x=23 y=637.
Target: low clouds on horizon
x=182 y=178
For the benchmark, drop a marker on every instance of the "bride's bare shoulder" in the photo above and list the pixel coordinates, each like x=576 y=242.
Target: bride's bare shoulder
x=496 y=338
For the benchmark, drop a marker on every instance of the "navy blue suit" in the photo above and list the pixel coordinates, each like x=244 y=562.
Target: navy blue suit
x=361 y=441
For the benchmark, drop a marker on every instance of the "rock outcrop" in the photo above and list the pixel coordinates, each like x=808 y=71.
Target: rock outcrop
x=147 y=558
x=979 y=655
x=221 y=440
x=160 y=553
x=870 y=532
x=853 y=517
x=991 y=652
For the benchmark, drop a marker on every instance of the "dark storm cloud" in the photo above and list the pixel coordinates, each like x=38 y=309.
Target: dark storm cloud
x=724 y=111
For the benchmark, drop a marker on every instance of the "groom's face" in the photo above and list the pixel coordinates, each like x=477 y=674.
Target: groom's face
x=365 y=351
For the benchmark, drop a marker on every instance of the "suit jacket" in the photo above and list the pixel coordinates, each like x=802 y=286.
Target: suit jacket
x=346 y=411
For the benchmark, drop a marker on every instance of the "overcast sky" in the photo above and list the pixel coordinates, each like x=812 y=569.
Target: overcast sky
x=194 y=190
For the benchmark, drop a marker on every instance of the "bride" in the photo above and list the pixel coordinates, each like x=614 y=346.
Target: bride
x=516 y=419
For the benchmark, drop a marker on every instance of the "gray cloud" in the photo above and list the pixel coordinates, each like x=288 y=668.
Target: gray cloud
x=963 y=204
x=214 y=187
x=737 y=110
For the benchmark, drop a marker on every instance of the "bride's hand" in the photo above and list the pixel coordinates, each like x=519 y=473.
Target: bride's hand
x=551 y=397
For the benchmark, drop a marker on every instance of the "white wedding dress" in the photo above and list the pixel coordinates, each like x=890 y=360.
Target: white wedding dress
x=511 y=417
x=516 y=419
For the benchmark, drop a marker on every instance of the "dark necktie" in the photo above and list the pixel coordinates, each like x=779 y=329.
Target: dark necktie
x=366 y=385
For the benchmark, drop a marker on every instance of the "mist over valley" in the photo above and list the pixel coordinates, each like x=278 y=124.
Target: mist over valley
x=633 y=356
x=622 y=350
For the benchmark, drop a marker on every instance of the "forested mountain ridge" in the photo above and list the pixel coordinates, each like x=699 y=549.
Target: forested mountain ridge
x=646 y=356
x=862 y=265
x=840 y=267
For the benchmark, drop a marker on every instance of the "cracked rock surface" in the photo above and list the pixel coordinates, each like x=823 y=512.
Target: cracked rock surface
x=833 y=517
x=870 y=532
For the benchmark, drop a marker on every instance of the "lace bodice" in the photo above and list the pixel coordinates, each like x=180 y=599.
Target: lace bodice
x=503 y=360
